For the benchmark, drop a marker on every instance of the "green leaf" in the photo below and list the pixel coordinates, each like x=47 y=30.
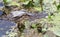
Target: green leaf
x=58 y=7
x=36 y=3
x=29 y=4
x=14 y=3
x=56 y=30
x=45 y=35
x=26 y=2
x=26 y=23
x=34 y=25
x=44 y=29
x=7 y=1
x=38 y=8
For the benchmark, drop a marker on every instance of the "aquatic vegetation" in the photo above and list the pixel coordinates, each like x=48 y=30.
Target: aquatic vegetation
x=34 y=18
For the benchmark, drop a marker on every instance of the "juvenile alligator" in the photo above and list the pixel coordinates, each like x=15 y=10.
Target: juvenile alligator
x=16 y=15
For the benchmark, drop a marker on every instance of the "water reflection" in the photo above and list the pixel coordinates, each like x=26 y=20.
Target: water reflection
x=1 y=12
x=5 y=26
x=1 y=4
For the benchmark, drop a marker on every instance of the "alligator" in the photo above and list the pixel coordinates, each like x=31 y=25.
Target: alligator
x=16 y=15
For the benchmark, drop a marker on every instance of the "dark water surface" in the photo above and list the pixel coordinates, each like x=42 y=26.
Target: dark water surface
x=1 y=12
x=1 y=6
x=5 y=26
